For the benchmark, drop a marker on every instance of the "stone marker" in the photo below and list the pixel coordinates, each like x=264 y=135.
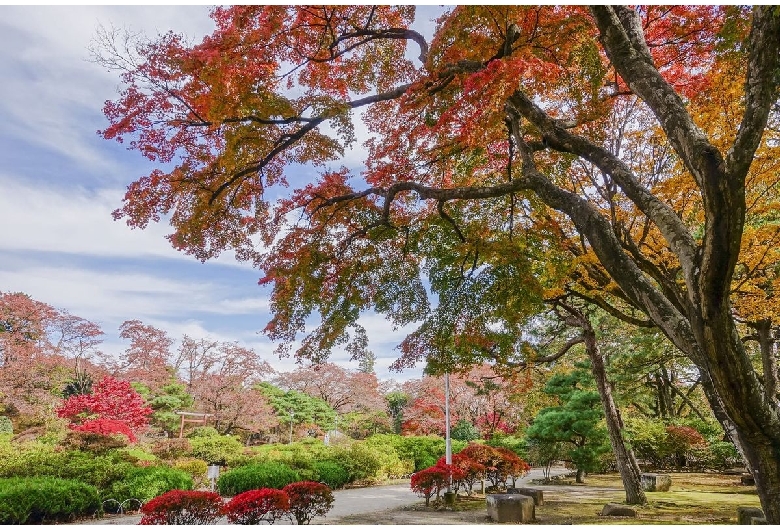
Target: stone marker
x=758 y=520
x=534 y=493
x=656 y=482
x=747 y=480
x=746 y=513
x=510 y=508
x=618 y=510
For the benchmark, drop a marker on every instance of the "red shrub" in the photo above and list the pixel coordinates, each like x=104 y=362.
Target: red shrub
x=110 y=400
x=105 y=427
x=500 y=463
x=434 y=480
x=682 y=438
x=255 y=506
x=182 y=507
x=465 y=471
x=308 y=499
x=511 y=464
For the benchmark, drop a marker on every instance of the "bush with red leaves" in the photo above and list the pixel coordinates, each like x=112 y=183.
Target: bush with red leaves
x=465 y=471
x=500 y=463
x=434 y=480
x=105 y=427
x=308 y=499
x=182 y=507
x=111 y=399
x=256 y=506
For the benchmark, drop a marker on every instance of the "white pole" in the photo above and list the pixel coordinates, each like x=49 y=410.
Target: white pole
x=447 y=440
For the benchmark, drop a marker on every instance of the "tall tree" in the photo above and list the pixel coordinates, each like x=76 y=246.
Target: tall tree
x=147 y=358
x=344 y=390
x=519 y=96
x=223 y=385
x=40 y=347
x=575 y=421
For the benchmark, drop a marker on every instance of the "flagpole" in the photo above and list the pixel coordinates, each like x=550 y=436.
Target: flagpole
x=448 y=441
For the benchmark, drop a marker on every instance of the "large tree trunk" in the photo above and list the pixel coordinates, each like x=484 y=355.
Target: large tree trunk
x=752 y=415
x=768 y=358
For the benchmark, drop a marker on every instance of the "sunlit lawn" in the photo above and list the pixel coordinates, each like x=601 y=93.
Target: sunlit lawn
x=694 y=498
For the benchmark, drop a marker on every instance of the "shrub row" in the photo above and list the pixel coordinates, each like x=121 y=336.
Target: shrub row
x=273 y=475
x=35 y=500
x=474 y=462
x=298 y=501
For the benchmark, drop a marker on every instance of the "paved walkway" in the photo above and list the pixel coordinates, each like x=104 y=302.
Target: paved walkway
x=348 y=502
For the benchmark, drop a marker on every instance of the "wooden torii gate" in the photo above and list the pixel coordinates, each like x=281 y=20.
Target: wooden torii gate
x=201 y=418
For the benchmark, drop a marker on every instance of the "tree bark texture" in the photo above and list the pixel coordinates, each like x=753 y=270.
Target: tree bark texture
x=624 y=456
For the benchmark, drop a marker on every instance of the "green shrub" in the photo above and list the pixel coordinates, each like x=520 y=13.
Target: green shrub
x=273 y=475
x=464 y=431
x=295 y=455
x=719 y=455
x=28 y=459
x=392 y=465
x=194 y=467
x=136 y=454
x=424 y=451
x=144 y=483
x=41 y=460
x=648 y=439
x=203 y=432
x=331 y=473
x=172 y=448
x=99 y=471
x=45 y=499
x=363 y=462
x=6 y=427
x=217 y=449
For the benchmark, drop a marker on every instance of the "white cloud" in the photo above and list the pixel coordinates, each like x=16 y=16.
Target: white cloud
x=78 y=221
x=52 y=96
x=110 y=296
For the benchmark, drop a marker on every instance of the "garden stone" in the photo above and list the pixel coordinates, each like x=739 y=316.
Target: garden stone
x=618 y=510
x=746 y=513
x=758 y=520
x=656 y=482
x=534 y=493
x=510 y=508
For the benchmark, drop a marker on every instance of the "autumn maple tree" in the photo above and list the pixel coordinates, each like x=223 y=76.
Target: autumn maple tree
x=112 y=407
x=499 y=125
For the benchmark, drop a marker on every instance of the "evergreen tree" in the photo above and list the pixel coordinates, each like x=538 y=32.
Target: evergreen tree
x=577 y=421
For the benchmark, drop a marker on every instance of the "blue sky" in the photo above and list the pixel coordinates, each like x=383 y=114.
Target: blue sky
x=60 y=181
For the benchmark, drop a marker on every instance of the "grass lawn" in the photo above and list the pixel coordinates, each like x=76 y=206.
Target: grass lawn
x=694 y=498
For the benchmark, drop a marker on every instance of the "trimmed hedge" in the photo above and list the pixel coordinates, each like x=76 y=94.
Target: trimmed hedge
x=273 y=475
x=35 y=500
x=331 y=473
x=145 y=483
x=38 y=460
